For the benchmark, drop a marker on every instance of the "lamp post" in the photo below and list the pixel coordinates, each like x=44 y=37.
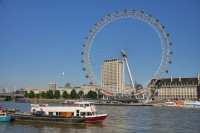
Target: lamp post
x=63 y=84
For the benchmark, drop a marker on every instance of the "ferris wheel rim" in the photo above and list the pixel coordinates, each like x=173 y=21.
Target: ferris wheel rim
x=127 y=14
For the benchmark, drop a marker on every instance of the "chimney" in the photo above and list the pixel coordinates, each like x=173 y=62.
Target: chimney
x=171 y=78
x=198 y=78
x=179 y=78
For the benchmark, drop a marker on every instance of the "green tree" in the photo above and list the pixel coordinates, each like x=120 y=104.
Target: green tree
x=44 y=95
x=26 y=95
x=37 y=95
x=17 y=92
x=73 y=94
x=92 y=94
x=57 y=94
x=50 y=94
x=66 y=95
x=31 y=94
x=80 y=94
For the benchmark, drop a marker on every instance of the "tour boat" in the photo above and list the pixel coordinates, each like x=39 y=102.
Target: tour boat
x=170 y=104
x=70 y=102
x=80 y=109
x=4 y=116
x=192 y=103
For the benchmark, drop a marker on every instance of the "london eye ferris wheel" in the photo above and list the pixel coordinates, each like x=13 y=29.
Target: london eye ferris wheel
x=132 y=37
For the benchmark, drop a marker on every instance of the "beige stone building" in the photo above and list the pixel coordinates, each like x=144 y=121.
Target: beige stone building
x=112 y=75
x=84 y=88
x=177 y=89
x=36 y=90
x=52 y=86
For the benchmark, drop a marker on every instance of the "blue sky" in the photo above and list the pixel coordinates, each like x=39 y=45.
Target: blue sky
x=41 y=39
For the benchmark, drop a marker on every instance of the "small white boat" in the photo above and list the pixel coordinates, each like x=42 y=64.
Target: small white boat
x=4 y=116
x=170 y=104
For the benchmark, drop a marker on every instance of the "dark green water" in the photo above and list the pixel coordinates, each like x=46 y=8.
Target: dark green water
x=120 y=119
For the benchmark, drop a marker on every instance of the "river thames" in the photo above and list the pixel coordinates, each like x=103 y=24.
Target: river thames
x=128 y=119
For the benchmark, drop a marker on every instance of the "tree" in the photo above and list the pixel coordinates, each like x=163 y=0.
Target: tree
x=92 y=94
x=26 y=95
x=57 y=94
x=50 y=94
x=66 y=95
x=31 y=94
x=73 y=94
x=80 y=94
x=37 y=95
x=44 y=95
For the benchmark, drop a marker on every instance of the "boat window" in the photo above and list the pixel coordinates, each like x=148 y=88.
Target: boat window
x=82 y=113
x=81 y=105
x=57 y=113
x=89 y=113
x=50 y=113
x=2 y=114
x=87 y=105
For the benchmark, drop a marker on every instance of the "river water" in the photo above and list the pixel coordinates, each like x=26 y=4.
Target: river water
x=129 y=119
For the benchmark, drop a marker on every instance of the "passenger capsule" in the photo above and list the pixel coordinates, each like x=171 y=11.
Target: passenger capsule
x=117 y=12
x=142 y=12
x=166 y=71
x=86 y=76
x=157 y=20
x=84 y=69
x=171 y=52
x=170 y=62
x=163 y=26
x=167 y=34
x=170 y=43
x=150 y=15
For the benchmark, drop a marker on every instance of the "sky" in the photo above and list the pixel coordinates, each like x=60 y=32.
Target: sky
x=41 y=39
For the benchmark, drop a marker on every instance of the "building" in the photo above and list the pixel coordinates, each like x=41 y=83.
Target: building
x=67 y=85
x=112 y=75
x=36 y=90
x=84 y=88
x=52 y=86
x=177 y=89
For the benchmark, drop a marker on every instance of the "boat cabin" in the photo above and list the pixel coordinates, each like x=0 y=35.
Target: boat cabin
x=80 y=109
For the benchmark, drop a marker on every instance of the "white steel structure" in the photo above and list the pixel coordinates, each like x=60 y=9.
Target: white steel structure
x=135 y=15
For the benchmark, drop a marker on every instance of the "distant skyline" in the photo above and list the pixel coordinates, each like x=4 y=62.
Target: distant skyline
x=39 y=40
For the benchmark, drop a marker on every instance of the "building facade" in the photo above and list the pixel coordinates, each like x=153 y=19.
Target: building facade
x=112 y=75
x=52 y=86
x=177 y=89
x=84 y=88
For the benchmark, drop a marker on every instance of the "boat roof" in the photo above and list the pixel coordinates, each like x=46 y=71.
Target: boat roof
x=83 y=102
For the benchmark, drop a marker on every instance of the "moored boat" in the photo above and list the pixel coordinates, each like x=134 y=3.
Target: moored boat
x=5 y=116
x=192 y=103
x=80 y=109
x=40 y=117
x=170 y=104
